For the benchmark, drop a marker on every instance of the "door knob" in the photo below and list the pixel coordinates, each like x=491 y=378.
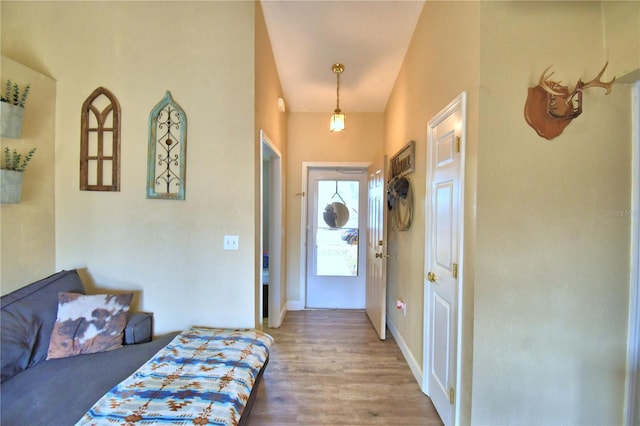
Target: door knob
x=431 y=277
x=382 y=255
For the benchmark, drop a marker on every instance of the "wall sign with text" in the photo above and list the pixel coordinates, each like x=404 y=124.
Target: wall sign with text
x=404 y=162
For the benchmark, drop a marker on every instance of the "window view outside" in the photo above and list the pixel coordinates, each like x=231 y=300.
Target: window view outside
x=337 y=248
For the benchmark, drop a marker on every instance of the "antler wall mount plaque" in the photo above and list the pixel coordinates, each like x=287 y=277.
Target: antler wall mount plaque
x=550 y=106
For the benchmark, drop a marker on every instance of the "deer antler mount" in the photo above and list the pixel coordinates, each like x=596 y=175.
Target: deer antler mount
x=550 y=106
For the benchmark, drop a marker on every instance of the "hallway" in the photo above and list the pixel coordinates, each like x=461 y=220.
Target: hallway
x=328 y=367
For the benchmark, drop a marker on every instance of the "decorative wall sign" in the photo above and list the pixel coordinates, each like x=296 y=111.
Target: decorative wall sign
x=100 y=142
x=167 y=151
x=404 y=162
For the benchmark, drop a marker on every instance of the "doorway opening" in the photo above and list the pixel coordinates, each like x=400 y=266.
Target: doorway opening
x=333 y=268
x=270 y=294
x=336 y=218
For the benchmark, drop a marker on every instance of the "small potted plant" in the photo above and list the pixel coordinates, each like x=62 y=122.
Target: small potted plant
x=12 y=170
x=12 y=109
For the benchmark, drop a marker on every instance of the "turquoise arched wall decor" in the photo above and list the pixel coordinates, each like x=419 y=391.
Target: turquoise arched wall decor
x=167 y=151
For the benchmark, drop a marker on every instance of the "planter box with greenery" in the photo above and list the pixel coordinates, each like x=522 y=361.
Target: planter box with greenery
x=11 y=173
x=12 y=109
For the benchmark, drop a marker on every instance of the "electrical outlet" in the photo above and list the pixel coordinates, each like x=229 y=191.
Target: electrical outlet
x=231 y=242
x=402 y=306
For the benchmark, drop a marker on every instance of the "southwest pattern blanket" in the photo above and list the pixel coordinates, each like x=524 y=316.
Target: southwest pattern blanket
x=203 y=377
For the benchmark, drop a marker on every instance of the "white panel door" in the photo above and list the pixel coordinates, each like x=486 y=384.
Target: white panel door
x=377 y=251
x=442 y=263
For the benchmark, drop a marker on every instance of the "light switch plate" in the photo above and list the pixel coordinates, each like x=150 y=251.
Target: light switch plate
x=231 y=242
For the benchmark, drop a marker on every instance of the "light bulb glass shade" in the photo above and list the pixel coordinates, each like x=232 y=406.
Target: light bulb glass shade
x=337 y=122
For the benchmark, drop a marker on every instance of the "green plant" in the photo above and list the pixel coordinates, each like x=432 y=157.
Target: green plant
x=15 y=161
x=12 y=94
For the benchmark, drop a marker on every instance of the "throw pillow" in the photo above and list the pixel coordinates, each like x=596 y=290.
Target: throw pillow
x=88 y=324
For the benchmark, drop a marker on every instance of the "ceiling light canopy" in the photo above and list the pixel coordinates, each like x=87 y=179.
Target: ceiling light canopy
x=337 y=119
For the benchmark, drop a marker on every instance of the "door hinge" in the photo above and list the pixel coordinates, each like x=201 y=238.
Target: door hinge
x=455 y=271
x=457 y=143
x=452 y=396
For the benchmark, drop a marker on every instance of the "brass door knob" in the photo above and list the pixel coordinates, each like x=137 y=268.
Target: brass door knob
x=431 y=277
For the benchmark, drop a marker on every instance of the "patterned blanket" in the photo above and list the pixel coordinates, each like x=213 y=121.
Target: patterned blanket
x=203 y=377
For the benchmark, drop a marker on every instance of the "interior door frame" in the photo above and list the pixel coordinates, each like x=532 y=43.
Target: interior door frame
x=276 y=310
x=632 y=385
x=306 y=165
x=459 y=102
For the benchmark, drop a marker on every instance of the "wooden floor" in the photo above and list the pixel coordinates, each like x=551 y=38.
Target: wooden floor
x=328 y=367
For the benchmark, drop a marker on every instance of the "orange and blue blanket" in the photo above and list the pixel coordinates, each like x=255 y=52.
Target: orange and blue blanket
x=203 y=377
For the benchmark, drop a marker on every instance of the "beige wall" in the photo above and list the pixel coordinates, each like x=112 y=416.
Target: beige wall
x=27 y=229
x=274 y=123
x=311 y=141
x=439 y=65
x=546 y=263
x=169 y=252
x=621 y=38
x=268 y=89
x=552 y=274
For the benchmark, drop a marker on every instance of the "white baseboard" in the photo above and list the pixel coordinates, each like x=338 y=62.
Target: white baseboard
x=414 y=365
x=295 y=305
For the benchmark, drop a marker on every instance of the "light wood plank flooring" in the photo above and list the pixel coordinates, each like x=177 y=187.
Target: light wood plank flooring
x=328 y=367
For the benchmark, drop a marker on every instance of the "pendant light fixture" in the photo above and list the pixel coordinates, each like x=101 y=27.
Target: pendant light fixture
x=337 y=119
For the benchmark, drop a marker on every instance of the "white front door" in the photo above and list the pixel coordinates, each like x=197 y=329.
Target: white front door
x=443 y=267
x=336 y=218
x=377 y=250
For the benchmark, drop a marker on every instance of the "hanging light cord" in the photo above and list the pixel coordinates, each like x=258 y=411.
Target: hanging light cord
x=338 y=93
x=338 y=69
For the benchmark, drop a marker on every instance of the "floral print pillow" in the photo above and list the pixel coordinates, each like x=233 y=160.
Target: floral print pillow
x=88 y=324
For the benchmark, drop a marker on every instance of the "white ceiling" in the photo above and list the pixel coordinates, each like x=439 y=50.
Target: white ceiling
x=369 y=37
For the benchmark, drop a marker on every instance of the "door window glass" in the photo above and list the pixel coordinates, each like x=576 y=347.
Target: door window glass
x=337 y=234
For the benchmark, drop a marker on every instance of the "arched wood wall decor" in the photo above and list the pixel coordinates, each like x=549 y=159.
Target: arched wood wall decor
x=100 y=142
x=167 y=151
